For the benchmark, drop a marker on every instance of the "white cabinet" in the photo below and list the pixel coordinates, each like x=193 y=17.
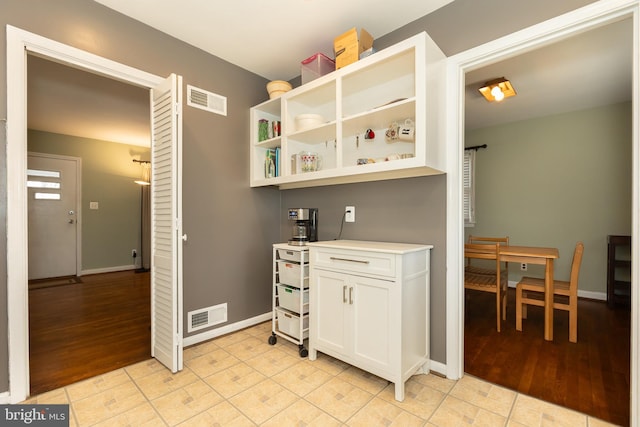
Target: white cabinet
x=290 y=303
x=401 y=86
x=369 y=306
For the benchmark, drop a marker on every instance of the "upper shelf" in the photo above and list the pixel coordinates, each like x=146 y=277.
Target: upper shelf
x=379 y=93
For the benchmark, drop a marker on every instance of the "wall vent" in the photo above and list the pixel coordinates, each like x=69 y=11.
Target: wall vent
x=207 y=317
x=207 y=101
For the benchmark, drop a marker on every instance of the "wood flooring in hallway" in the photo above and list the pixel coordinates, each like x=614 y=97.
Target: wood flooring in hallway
x=81 y=330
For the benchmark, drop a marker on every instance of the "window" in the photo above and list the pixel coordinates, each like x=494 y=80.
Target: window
x=468 y=172
x=50 y=180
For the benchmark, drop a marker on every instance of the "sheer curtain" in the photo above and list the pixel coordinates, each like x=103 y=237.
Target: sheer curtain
x=468 y=169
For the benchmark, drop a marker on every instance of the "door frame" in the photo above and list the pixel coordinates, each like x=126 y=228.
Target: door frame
x=19 y=44
x=583 y=19
x=78 y=206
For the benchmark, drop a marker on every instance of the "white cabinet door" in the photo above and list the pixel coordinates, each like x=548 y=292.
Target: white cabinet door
x=352 y=315
x=372 y=317
x=329 y=310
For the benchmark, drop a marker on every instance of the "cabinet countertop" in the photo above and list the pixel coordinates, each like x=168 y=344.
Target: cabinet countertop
x=362 y=245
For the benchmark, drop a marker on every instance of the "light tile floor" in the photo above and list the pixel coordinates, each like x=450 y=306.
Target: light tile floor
x=240 y=380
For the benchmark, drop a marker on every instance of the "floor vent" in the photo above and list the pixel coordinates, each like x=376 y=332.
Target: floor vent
x=208 y=101
x=207 y=317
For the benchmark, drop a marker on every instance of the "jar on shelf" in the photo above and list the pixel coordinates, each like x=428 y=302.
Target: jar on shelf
x=263 y=130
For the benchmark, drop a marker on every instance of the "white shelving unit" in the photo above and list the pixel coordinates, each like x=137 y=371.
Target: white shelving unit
x=290 y=318
x=403 y=82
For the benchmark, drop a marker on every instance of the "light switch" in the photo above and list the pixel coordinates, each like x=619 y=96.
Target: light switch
x=93 y=205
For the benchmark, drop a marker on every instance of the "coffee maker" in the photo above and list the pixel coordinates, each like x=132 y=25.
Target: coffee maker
x=305 y=225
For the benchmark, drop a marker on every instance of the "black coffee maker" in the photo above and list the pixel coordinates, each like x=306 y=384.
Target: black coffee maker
x=305 y=225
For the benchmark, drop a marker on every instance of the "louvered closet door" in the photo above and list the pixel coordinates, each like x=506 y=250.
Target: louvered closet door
x=166 y=222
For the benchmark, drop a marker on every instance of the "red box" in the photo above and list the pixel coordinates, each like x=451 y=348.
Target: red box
x=316 y=66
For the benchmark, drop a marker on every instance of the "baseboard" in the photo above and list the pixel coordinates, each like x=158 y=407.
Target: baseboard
x=227 y=329
x=438 y=368
x=600 y=296
x=5 y=398
x=108 y=269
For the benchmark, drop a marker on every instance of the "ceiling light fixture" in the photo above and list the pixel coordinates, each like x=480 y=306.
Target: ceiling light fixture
x=497 y=90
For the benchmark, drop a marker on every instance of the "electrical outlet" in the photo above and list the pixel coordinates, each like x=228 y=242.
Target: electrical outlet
x=134 y=253
x=523 y=266
x=350 y=214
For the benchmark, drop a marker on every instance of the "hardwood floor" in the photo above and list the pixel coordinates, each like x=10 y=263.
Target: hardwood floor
x=591 y=376
x=81 y=330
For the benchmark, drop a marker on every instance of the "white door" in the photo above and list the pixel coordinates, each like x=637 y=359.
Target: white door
x=52 y=184
x=373 y=318
x=166 y=222
x=329 y=310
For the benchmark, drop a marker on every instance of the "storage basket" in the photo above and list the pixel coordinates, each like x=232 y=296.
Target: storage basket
x=289 y=323
x=289 y=298
x=291 y=255
x=289 y=274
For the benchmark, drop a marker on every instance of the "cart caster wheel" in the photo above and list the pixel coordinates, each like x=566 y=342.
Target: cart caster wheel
x=273 y=340
x=303 y=352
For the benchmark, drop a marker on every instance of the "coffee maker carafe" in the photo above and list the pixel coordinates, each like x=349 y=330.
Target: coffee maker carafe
x=304 y=225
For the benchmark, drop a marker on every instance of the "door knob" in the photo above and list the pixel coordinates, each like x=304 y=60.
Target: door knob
x=71 y=221
x=184 y=237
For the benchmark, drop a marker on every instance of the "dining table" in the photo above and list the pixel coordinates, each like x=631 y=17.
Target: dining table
x=540 y=256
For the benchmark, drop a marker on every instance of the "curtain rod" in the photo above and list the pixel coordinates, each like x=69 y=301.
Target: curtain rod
x=476 y=147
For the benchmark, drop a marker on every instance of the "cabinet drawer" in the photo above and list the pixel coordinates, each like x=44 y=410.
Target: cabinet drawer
x=373 y=263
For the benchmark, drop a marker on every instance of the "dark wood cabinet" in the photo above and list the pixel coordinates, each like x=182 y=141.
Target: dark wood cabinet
x=618 y=270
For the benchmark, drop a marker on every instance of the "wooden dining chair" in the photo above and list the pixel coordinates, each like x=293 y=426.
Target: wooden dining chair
x=530 y=291
x=495 y=283
x=477 y=269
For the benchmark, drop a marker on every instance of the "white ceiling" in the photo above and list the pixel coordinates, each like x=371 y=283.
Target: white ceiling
x=270 y=38
x=584 y=71
x=69 y=101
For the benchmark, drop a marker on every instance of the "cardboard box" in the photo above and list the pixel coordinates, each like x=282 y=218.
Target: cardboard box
x=348 y=46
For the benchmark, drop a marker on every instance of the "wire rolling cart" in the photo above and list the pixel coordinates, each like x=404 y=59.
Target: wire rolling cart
x=290 y=302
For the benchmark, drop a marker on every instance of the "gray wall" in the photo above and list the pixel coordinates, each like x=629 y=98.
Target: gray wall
x=228 y=255
x=408 y=210
x=111 y=232
x=569 y=180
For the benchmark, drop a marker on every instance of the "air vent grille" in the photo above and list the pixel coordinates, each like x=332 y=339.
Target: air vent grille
x=207 y=317
x=207 y=101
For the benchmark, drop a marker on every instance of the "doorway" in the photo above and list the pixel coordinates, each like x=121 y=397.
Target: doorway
x=84 y=294
x=563 y=142
x=19 y=42
x=545 y=33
